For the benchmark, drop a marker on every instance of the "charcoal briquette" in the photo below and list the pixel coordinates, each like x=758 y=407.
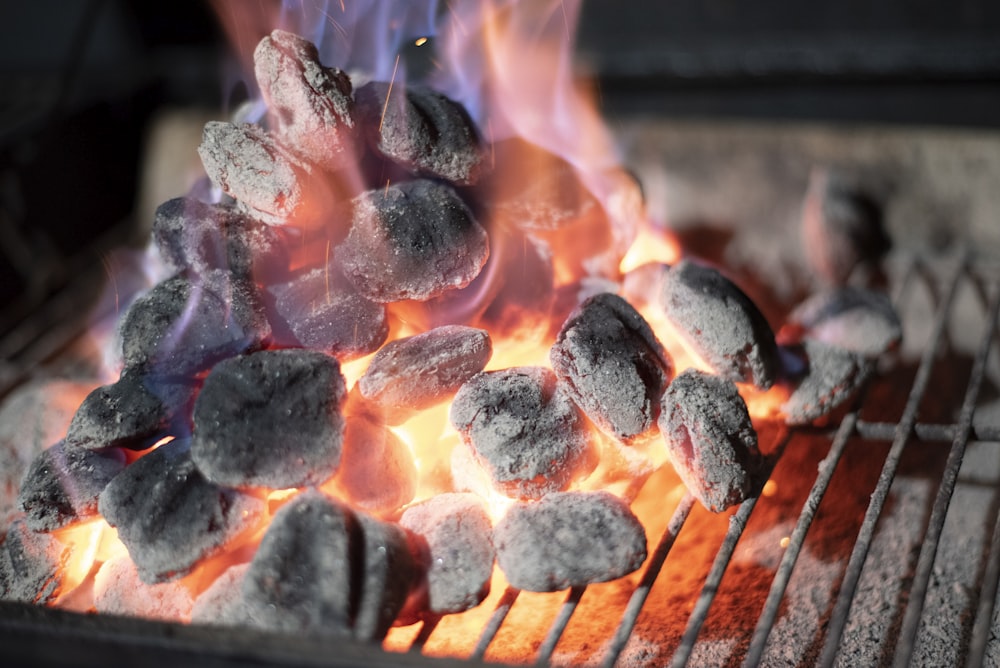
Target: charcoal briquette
x=129 y=412
x=118 y=590
x=199 y=237
x=309 y=105
x=612 y=365
x=321 y=310
x=709 y=438
x=848 y=317
x=63 y=484
x=376 y=473
x=184 y=326
x=459 y=538
x=412 y=240
x=830 y=376
x=524 y=430
x=270 y=419
x=420 y=129
x=269 y=181
x=222 y=603
x=30 y=565
x=568 y=539
x=720 y=323
x=170 y=517
x=389 y=573
x=414 y=373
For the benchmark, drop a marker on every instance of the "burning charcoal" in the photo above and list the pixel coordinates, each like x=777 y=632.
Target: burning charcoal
x=534 y=189
x=415 y=373
x=32 y=417
x=524 y=430
x=192 y=235
x=841 y=226
x=642 y=285
x=321 y=310
x=525 y=292
x=613 y=366
x=272 y=184
x=709 y=438
x=181 y=327
x=569 y=539
x=831 y=376
x=720 y=323
x=422 y=130
x=412 y=240
x=129 y=412
x=270 y=419
x=310 y=105
x=169 y=517
x=119 y=590
x=321 y=568
x=851 y=318
x=458 y=534
x=63 y=484
x=222 y=603
x=30 y=565
x=376 y=472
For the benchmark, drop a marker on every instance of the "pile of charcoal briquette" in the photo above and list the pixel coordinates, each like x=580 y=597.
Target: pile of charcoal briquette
x=345 y=213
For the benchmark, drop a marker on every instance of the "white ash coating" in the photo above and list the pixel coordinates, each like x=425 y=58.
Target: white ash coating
x=856 y=319
x=30 y=565
x=412 y=240
x=310 y=106
x=832 y=376
x=222 y=603
x=319 y=309
x=568 y=539
x=414 y=373
x=63 y=483
x=422 y=130
x=612 y=365
x=709 y=438
x=118 y=590
x=170 y=517
x=376 y=471
x=524 y=430
x=459 y=536
x=270 y=419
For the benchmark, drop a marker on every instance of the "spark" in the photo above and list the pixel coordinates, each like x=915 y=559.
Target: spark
x=387 y=181
x=343 y=9
x=326 y=271
x=113 y=279
x=420 y=41
x=457 y=19
x=562 y=5
x=784 y=542
x=333 y=22
x=388 y=93
x=493 y=146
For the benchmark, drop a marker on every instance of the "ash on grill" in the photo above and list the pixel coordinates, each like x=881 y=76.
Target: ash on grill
x=237 y=359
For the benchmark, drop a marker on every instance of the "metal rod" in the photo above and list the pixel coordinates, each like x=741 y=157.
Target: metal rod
x=559 y=625
x=885 y=431
x=784 y=573
x=641 y=592
x=838 y=620
x=983 y=626
x=494 y=622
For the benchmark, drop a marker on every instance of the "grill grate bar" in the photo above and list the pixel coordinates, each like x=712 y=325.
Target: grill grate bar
x=495 y=621
x=904 y=430
x=982 y=628
x=784 y=573
x=559 y=625
x=652 y=571
x=885 y=431
x=928 y=549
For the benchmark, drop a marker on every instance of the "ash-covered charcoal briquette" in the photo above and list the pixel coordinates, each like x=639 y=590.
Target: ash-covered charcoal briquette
x=524 y=430
x=853 y=318
x=421 y=130
x=829 y=376
x=63 y=483
x=412 y=240
x=309 y=105
x=118 y=590
x=568 y=539
x=414 y=373
x=321 y=310
x=388 y=574
x=169 y=517
x=222 y=603
x=130 y=412
x=612 y=365
x=842 y=225
x=709 y=438
x=376 y=471
x=192 y=235
x=30 y=565
x=270 y=419
x=720 y=323
x=459 y=538
x=184 y=326
x=270 y=182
